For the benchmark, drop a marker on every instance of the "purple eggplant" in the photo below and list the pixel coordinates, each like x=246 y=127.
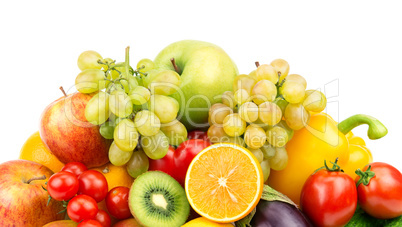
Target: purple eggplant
x=278 y=214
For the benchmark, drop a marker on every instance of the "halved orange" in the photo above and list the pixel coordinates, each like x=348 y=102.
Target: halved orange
x=224 y=182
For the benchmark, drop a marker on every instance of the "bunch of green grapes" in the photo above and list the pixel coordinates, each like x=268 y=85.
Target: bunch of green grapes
x=263 y=111
x=132 y=107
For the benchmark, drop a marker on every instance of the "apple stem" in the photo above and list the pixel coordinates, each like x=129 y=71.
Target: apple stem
x=176 y=68
x=257 y=64
x=62 y=90
x=36 y=178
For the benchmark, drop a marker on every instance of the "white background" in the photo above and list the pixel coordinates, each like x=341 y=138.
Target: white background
x=352 y=47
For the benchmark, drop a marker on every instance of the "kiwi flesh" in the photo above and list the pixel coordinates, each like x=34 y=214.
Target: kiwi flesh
x=157 y=199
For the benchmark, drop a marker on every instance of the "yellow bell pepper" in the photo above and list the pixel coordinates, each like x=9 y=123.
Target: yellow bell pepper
x=324 y=139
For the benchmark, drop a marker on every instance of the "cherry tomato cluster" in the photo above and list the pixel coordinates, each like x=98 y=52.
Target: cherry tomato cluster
x=176 y=162
x=377 y=189
x=81 y=189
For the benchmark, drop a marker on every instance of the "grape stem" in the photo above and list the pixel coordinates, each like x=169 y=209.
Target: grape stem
x=62 y=90
x=257 y=64
x=376 y=129
x=176 y=68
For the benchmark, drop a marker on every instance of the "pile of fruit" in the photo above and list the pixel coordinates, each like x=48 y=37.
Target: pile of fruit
x=184 y=140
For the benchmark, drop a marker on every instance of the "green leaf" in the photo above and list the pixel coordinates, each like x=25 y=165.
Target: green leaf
x=362 y=219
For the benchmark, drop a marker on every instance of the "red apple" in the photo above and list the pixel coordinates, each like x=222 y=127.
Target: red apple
x=23 y=201
x=131 y=222
x=62 y=223
x=71 y=138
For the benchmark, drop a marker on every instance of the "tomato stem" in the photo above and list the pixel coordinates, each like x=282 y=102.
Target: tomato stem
x=335 y=167
x=365 y=176
x=376 y=129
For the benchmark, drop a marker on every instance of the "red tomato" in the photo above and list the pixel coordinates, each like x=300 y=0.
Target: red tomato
x=82 y=207
x=184 y=154
x=74 y=167
x=62 y=186
x=382 y=196
x=103 y=218
x=89 y=223
x=198 y=134
x=165 y=164
x=117 y=202
x=329 y=198
x=94 y=184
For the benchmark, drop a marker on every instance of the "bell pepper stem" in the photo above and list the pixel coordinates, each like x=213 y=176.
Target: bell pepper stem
x=376 y=129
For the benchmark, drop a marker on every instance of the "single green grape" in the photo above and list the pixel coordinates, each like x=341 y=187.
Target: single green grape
x=296 y=116
x=147 y=123
x=282 y=103
x=139 y=95
x=216 y=134
x=156 y=146
x=126 y=135
x=145 y=64
x=248 y=112
x=269 y=113
x=241 y=96
x=282 y=67
x=268 y=151
x=277 y=136
x=245 y=82
x=263 y=91
x=107 y=130
x=120 y=104
x=297 y=79
x=97 y=109
x=233 y=125
x=218 y=112
x=266 y=169
x=89 y=60
x=315 y=101
x=280 y=159
x=117 y=156
x=138 y=164
x=266 y=72
x=175 y=131
x=293 y=92
x=285 y=126
x=257 y=153
x=254 y=136
x=165 y=107
x=90 y=80
x=164 y=82
x=228 y=99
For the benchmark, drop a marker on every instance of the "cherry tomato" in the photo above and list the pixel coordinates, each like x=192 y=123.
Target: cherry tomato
x=82 y=207
x=380 y=195
x=103 y=218
x=89 y=223
x=165 y=164
x=117 y=202
x=184 y=154
x=74 y=167
x=198 y=134
x=62 y=186
x=94 y=184
x=329 y=198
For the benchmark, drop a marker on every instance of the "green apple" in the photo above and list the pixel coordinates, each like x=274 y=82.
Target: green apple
x=206 y=72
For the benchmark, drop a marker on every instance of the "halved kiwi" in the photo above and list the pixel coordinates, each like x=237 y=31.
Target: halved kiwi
x=157 y=199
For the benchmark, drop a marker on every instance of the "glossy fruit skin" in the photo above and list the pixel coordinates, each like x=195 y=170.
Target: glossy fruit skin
x=276 y=213
x=165 y=164
x=23 y=204
x=198 y=134
x=184 y=154
x=329 y=198
x=81 y=141
x=94 y=184
x=75 y=168
x=62 y=186
x=82 y=207
x=117 y=202
x=89 y=223
x=382 y=197
x=103 y=218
